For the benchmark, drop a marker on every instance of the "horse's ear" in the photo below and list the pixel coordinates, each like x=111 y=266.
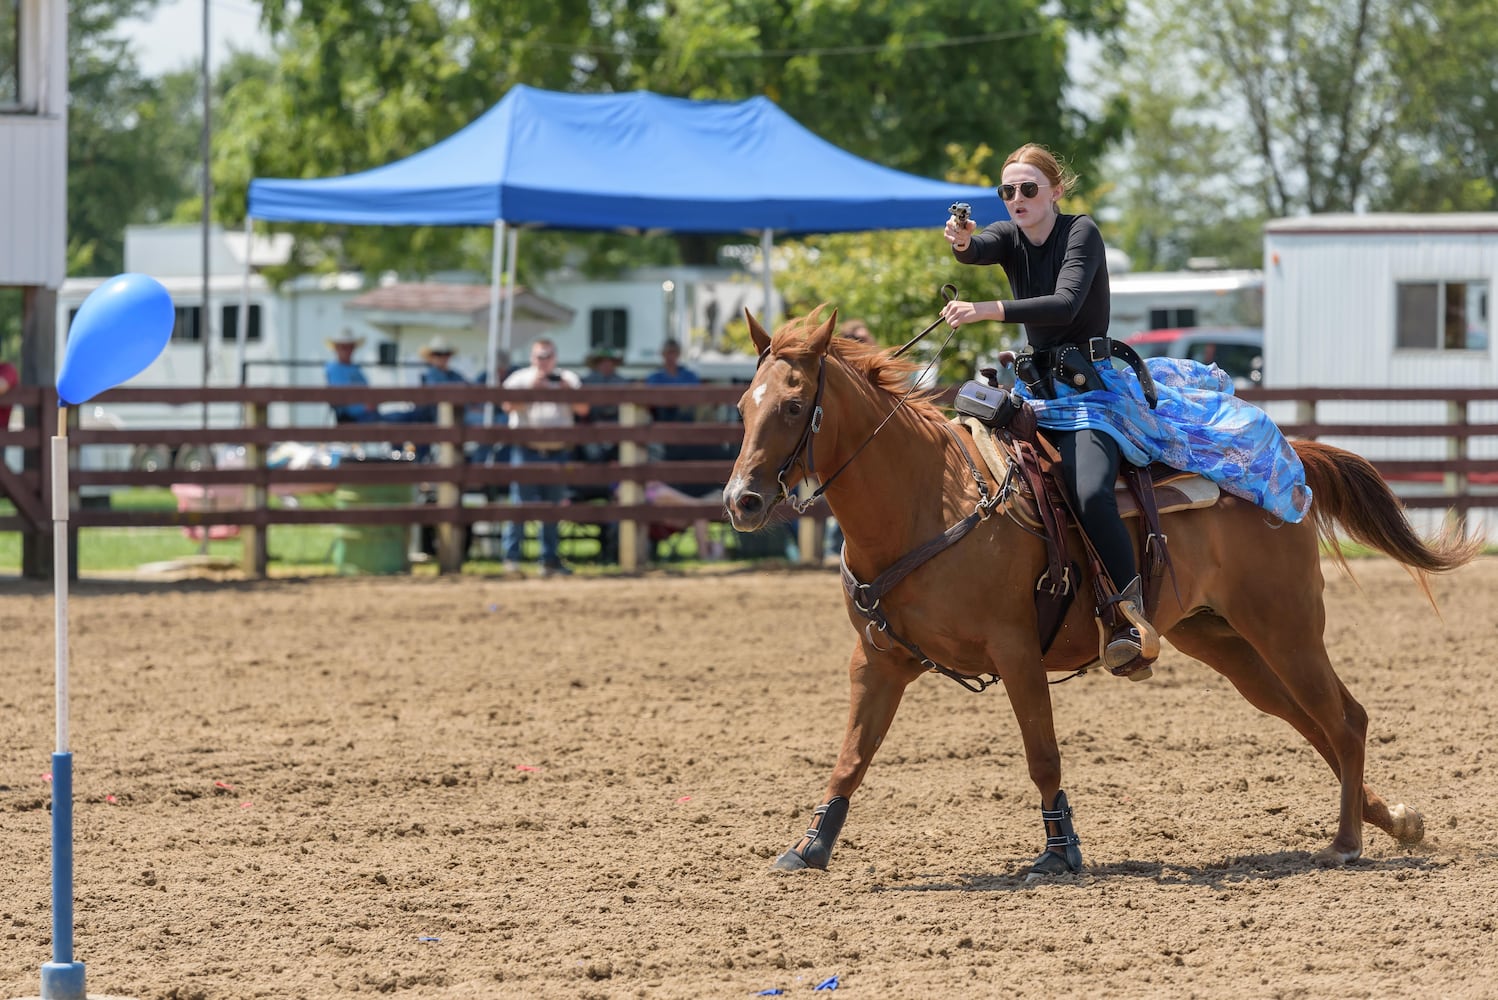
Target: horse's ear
x=821 y=337
x=757 y=333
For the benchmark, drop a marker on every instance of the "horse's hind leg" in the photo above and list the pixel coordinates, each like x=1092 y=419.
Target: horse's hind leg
x=1211 y=640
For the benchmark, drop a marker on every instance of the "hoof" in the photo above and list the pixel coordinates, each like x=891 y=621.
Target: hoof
x=1335 y=857
x=1050 y=864
x=790 y=861
x=1408 y=826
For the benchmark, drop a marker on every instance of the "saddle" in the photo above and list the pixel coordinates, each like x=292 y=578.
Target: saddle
x=1038 y=502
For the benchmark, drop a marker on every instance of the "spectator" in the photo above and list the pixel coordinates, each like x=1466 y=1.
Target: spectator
x=672 y=372
x=9 y=379
x=437 y=354
x=603 y=369
x=856 y=329
x=541 y=373
x=344 y=371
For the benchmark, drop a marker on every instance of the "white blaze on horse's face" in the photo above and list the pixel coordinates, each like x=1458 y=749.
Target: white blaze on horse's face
x=775 y=409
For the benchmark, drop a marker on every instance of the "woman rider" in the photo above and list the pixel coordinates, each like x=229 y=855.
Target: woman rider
x=1058 y=270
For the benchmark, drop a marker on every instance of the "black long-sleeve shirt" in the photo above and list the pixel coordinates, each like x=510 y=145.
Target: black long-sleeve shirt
x=1061 y=285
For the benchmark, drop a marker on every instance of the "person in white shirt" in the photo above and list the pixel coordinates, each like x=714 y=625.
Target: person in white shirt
x=542 y=373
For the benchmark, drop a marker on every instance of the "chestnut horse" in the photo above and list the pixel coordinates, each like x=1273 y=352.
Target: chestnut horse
x=1245 y=598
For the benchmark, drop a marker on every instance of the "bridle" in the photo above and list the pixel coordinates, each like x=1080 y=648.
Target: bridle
x=803 y=452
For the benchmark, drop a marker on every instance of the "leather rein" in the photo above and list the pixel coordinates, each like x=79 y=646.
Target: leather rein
x=868 y=598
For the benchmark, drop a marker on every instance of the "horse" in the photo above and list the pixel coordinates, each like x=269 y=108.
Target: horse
x=1245 y=596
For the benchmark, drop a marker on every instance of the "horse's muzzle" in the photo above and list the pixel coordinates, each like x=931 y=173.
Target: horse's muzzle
x=747 y=509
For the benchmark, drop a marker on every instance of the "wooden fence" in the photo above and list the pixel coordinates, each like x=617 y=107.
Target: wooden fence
x=1464 y=480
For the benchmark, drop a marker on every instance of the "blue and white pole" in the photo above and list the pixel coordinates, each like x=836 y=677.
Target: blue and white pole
x=62 y=978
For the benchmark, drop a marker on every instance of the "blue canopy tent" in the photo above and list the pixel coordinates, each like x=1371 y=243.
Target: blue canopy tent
x=634 y=161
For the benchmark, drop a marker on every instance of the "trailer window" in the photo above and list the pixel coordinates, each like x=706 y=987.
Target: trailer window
x=1442 y=316
x=609 y=330
x=252 y=333
x=1172 y=318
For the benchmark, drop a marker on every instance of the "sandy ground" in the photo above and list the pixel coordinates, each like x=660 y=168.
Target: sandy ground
x=575 y=788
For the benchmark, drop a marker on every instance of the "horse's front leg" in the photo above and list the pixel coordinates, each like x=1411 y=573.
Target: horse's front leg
x=875 y=687
x=1030 y=697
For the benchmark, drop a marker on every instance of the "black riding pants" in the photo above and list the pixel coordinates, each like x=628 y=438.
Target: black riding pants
x=1089 y=465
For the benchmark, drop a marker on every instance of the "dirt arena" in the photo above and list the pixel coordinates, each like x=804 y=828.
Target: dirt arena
x=549 y=788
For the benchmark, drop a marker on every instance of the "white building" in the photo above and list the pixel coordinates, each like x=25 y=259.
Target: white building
x=34 y=141
x=1386 y=301
x=1380 y=300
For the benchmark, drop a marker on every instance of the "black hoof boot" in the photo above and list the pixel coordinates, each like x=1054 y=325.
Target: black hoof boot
x=1063 y=853
x=815 y=848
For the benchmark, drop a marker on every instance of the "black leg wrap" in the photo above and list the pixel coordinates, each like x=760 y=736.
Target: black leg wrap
x=826 y=824
x=1059 y=832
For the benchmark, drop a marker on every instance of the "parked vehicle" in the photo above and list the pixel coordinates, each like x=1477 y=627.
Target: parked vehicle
x=1237 y=350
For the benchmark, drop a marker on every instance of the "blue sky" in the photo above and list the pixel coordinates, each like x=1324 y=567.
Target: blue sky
x=173 y=38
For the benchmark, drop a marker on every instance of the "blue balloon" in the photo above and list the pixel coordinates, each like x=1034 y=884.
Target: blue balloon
x=122 y=327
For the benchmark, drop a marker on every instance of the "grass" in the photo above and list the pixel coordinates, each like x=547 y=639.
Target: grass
x=308 y=549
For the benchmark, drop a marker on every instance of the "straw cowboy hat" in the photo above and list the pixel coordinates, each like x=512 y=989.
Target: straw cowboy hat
x=438 y=345
x=344 y=339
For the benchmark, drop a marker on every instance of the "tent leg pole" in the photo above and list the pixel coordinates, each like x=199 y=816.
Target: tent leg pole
x=509 y=324
x=495 y=369
x=242 y=324
x=766 y=244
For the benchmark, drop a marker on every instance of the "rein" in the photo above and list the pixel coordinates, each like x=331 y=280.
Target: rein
x=804 y=445
x=867 y=598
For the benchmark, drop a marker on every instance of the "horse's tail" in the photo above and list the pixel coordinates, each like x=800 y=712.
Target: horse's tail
x=1347 y=491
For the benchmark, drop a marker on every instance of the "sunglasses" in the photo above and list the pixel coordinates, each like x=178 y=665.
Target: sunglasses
x=1029 y=189
x=543 y=357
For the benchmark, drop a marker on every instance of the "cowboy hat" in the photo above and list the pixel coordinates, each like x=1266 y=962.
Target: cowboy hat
x=437 y=345
x=345 y=338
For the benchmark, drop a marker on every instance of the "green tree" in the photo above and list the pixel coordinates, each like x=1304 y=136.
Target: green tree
x=1446 y=52
x=1245 y=110
x=132 y=142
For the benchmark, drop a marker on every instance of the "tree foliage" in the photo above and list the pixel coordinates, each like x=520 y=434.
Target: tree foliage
x=132 y=142
x=1247 y=110
x=1448 y=115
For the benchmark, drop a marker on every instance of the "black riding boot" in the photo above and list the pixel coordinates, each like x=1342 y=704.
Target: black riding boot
x=1130 y=642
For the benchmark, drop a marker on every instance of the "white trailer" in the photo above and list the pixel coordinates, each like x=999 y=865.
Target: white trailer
x=1380 y=300
x=1167 y=300
x=1384 y=301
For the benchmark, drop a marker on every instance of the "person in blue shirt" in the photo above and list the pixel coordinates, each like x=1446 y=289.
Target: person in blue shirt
x=672 y=372
x=342 y=371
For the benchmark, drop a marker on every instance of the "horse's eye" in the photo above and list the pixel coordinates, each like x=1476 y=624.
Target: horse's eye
x=793 y=407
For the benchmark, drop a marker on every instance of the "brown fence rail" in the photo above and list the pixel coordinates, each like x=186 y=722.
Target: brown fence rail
x=1466 y=482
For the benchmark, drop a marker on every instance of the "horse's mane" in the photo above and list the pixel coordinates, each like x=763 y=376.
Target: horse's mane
x=880 y=369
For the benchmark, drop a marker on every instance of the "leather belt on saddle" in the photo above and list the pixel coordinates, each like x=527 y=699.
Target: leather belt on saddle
x=1038 y=505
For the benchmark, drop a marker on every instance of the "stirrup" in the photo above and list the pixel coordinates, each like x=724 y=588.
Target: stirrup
x=1132 y=643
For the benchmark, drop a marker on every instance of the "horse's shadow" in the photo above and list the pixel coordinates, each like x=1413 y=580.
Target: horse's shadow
x=1230 y=872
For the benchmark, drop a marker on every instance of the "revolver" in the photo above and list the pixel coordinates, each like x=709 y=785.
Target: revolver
x=961 y=212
